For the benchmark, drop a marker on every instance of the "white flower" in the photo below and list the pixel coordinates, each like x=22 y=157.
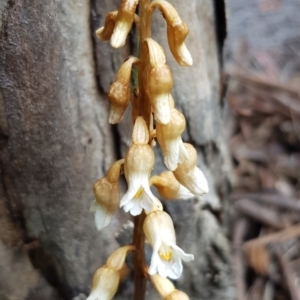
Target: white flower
x=167 y=256
x=139 y=162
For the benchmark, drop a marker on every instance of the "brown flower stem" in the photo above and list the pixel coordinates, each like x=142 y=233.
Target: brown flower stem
x=144 y=109
x=139 y=258
x=145 y=32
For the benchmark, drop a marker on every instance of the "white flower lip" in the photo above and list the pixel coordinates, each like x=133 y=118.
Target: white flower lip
x=172 y=267
x=139 y=195
x=167 y=256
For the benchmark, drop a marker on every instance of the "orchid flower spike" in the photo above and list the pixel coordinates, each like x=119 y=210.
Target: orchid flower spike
x=177 y=32
x=189 y=175
x=166 y=256
x=169 y=188
x=107 y=193
x=106 y=279
x=166 y=289
x=160 y=82
x=139 y=162
x=170 y=141
x=119 y=92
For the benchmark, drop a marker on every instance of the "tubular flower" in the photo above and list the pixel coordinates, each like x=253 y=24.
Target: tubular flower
x=139 y=162
x=170 y=141
x=166 y=289
x=177 y=32
x=106 y=279
x=189 y=175
x=124 y=22
x=107 y=193
x=160 y=82
x=167 y=256
x=169 y=188
x=119 y=92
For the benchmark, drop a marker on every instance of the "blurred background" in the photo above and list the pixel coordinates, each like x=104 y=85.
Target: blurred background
x=262 y=69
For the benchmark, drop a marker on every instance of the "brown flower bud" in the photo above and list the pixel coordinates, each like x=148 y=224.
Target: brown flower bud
x=119 y=92
x=107 y=201
x=189 y=175
x=169 y=188
x=104 y=33
x=177 y=32
x=169 y=139
x=124 y=22
x=160 y=82
x=140 y=134
x=105 y=284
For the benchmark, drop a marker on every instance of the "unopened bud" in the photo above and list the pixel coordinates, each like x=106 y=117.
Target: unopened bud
x=140 y=134
x=124 y=22
x=117 y=259
x=177 y=32
x=189 y=175
x=160 y=82
x=105 y=284
x=104 y=33
x=170 y=141
x=169 y=188
x=119 y=92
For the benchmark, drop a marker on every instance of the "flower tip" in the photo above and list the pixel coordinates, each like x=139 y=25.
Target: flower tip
x=115 y=114
x=102 y=217
x=99 y=33
x=162 y=111
x=119 y=35
x=185 y=56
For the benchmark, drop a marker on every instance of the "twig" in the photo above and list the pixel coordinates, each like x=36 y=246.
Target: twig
x=262 y=214
x=239 y=231
x=288 y=275
x=273 y=199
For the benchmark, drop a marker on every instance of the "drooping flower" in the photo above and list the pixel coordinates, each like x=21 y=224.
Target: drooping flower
x=107 y=193
x=170 y=141
x=119 y=92
x=169 y=188
x=167 y=256
x=118 y=24
x=159 y=82
x=106 y=279
x=105 y=284
x=177 y=32
x=189 y=175
x=139 y=162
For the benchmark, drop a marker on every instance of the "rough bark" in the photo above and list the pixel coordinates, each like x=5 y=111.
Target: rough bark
x=55 y=142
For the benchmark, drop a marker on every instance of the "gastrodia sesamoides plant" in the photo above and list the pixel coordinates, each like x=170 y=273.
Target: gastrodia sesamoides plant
x=154 y=117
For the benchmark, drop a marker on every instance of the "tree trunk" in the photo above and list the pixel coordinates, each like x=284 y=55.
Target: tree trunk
x=56 y=142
